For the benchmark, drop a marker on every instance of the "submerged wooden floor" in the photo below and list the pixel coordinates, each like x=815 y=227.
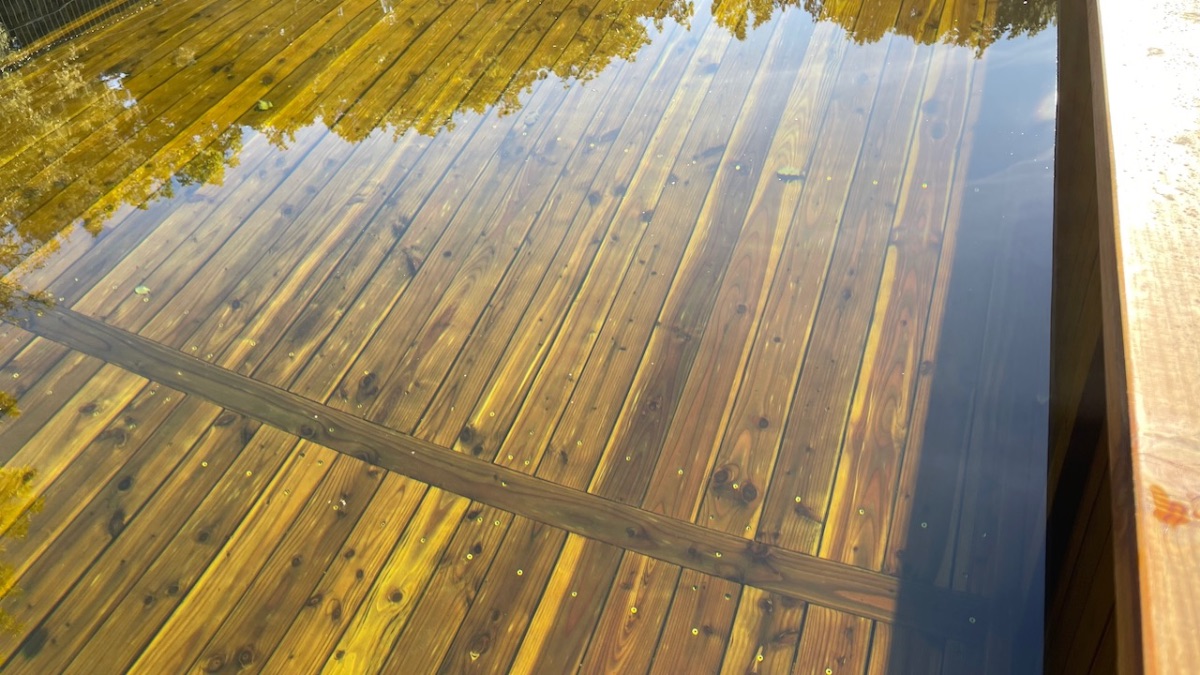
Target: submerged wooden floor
x=626 y=379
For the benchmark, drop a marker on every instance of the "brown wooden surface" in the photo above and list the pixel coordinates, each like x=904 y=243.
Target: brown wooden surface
x=1079 y=486
x=1146 y=161
x=481 y=372
x=763 y=566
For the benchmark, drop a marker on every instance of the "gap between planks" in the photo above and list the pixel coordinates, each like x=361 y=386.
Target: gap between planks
x=831 y=584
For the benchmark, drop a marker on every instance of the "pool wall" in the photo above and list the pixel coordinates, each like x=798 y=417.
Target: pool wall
x=1123 y=527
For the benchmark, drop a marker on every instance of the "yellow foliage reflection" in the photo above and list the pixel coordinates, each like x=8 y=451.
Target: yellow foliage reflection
x=111 y=121
x=17 y=505
x=967 y=24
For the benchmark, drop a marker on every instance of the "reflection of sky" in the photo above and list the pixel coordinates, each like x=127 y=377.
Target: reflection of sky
x=116 y=82
x=1019 y=122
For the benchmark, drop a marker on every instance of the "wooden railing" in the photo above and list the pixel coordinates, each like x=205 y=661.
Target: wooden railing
x=1127 y=278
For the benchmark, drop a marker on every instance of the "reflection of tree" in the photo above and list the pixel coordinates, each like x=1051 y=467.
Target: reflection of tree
x=8 y=405
x=36 y=115
x=144 y=144
x=736 y=16
x=607 y=35
x=975 y=25
x=1015 y=18
x=141 y=145
x=16 y=508
x=17 y=501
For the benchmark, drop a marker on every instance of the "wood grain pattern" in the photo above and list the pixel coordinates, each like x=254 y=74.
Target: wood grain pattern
x=832 y=642
x=1147 y=245
x=75 y=618
x=696 y=632
x=607 y=370
x=584 y=329
x=865 y=593
x=765 y=633
x=633 y=616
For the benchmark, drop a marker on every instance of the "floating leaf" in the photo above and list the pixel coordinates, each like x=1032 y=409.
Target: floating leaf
x=789 y=173
x=142 y=290
x=263 y=105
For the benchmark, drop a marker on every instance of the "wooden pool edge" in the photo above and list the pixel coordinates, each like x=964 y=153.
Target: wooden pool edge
x=1127 y=264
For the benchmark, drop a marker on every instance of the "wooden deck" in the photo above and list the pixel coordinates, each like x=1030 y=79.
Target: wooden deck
x=436 y=364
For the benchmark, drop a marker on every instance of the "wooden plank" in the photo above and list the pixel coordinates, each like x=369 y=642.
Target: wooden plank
x=697 y=630
x=570 y=48
x=73 y=619
x=801 y=480
x=124 y=619
x=156 y=629
x=833 y=642
x=118 y=286
x=633 y=615
x=1146 y=143
x=263 y=55
x=558 y=633
x=73 y=26
x=595 y=561
x=108 y=43
x=322 y=395
x=516 y=578
x=480 y=76
x=338 y=598
x=470 y=340
x=186 y=286
x=1078 y=552
x=278 y=593
x=265 y=643
x=1077 y=362
x=101 y=137
x=85 y=416
x=403 y=582
x=352 y=65
x=65 y=84
x=583 y=417
x=1104 y=662
x=504 y=651
x=70 y=91
x=765 y=633
x=54 y=563
x=673 y=407
x=570 y=309
x=71 y=374
x=408 y=90
x=70 y=535
x=928 y=496
x=418 y=208
x=455 y=284
x=750 y=445
x=861 y=511
x=1003 y=488
x=1000 y=533
x=83 y=291
x=849 y=589
x=65 y=257
x=88 y=472
x=1095 y=613
x=573 y=428
x=896 y=649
